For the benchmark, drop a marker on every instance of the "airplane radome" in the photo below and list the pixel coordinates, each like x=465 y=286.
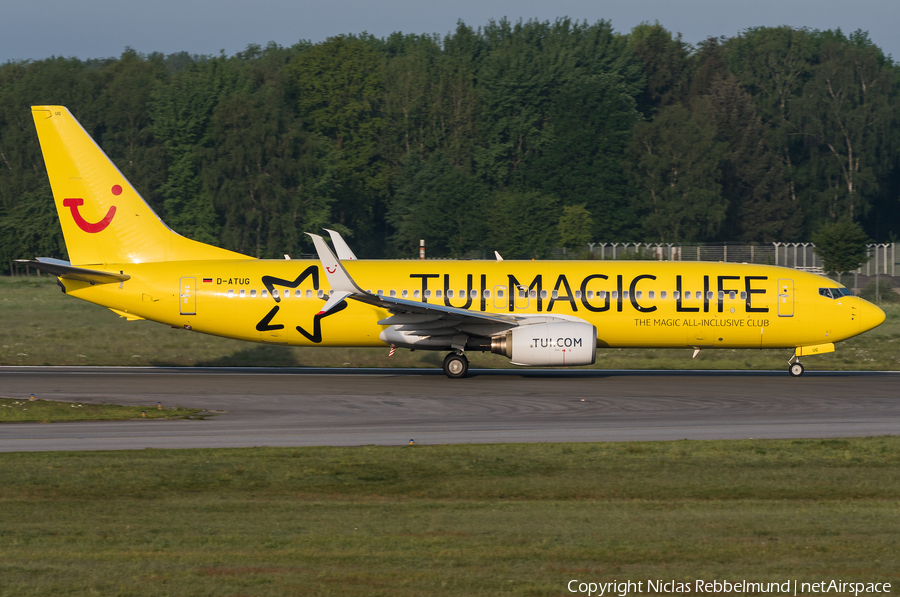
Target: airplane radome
x=536 y=313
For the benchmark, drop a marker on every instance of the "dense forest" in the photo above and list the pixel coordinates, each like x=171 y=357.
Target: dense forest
x=515 y=137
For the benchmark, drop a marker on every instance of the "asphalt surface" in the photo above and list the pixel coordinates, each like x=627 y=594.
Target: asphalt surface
x=347 y=407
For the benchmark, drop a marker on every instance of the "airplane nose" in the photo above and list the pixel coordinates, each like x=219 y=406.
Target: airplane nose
x=870 y=316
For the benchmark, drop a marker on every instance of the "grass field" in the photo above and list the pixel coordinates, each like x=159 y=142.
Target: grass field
x=447 y=520
x=14 y=410
x=41 y=326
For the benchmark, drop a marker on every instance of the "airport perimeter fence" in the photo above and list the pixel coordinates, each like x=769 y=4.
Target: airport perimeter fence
x=883 y=257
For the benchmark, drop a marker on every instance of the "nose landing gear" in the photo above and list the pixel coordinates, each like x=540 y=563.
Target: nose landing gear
x=794 y=367
x=456 y=365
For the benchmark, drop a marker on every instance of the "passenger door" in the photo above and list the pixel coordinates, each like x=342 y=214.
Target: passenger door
x=187 y=296
x=501 y=301
x=785 y=298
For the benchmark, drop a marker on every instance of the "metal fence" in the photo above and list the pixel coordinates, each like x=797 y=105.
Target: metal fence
x=882 y=256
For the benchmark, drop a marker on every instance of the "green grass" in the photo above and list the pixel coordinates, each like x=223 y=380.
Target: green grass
x=41 y=326
x=449 y=520
x=14 y=410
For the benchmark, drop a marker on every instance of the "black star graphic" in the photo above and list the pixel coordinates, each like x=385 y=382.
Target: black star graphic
x=265 y=324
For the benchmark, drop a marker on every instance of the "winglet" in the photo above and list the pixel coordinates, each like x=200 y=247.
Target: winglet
x=338 y=278
x=497 y=255
x=344 y=252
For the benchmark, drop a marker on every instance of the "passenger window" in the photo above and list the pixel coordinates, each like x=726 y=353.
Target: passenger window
x=474 y=293
x=265 y=293
x=639 y=294
x=415 y=294
x=309 y=293
x=231 y=293
x=601 y=294
x=675 y=295
x=662 y=295
x=428 y=293
x=437 y=294
x=721 y=294
x=651 y=294
x=487 y=293
x=699 y=295
x=241 y=292
x=590 y=294
x=615 y=294
x=555 y=294
x=393 y=293
x=732 y=295
x=274 y=292
x=522 y=293
x=499 y=293
x=532 y=294
x=380 y=292
x=625 y=294
x=743 y=295
x=449 y=294
x=252 y=293
x=709 y=295
x=578 y=294
x=321 y=293
x=404 y=293
x=543 y=294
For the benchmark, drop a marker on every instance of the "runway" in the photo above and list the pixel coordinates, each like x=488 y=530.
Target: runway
x=348 y=407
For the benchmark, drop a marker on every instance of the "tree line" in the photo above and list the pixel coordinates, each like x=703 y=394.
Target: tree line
x=515 y=137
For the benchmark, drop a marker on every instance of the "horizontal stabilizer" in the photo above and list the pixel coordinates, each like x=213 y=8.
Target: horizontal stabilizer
x=128 y=316
x=64 y=269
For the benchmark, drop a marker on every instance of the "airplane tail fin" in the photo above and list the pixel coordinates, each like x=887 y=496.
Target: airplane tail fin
x=104 y=219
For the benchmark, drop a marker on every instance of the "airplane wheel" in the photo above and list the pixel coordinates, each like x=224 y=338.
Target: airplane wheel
x=796 y=370
x=456 y=365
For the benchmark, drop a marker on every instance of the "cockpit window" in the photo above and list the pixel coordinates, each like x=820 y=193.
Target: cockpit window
x=835 y=293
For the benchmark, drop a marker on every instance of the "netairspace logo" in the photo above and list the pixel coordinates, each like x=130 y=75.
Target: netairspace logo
x=663 y=587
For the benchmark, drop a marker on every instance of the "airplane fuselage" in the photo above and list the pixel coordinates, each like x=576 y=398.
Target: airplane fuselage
x=631 y=303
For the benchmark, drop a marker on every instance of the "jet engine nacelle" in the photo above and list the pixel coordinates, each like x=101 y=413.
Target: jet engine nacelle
x=553 y=344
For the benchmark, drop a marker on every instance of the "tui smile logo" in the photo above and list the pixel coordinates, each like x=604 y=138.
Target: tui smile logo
x=88 y=227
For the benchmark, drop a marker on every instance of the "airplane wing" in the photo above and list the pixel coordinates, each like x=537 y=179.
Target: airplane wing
x=416 y=317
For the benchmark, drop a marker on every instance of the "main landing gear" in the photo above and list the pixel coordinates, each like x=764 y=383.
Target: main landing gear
x=456 y=365
x=794 y=367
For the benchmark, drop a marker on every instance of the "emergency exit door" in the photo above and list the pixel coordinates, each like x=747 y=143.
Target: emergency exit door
x=785 y=298
x=187 y=296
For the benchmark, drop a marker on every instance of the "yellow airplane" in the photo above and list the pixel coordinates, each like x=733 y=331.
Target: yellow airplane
x=536 y=313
